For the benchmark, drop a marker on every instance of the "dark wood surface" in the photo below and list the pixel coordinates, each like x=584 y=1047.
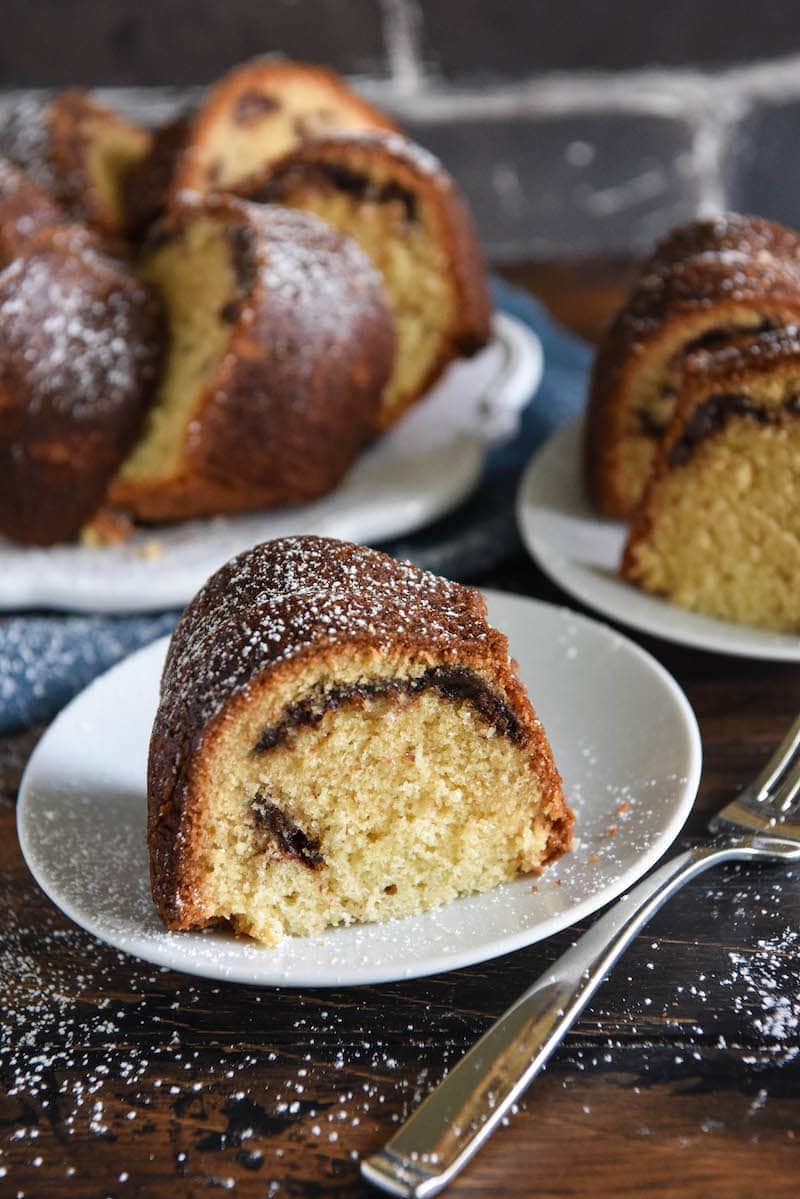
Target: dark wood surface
x=682 y=1079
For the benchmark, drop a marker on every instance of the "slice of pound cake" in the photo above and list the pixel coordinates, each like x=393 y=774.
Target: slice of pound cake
x=92 y=150
x=79 y=151
x=707 y=283
x=719 y=527
x=80 y=351
x=280 y=343
x=340 y=737
x=405 y=211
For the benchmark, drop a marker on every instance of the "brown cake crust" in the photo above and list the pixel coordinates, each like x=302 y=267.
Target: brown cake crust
x=79 y=351
x=355 y=162
x=729 y=231
x=255 y=624
x=297 y=394
x=25 y=209
x=175 y=162
x=681 y=298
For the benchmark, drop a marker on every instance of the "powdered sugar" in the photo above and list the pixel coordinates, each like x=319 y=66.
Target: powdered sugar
x=766 y=983
x=732 y=260
x=24 y=138
x=73 y=326
x=401 y=148
x=326 y=281
x=299 y=593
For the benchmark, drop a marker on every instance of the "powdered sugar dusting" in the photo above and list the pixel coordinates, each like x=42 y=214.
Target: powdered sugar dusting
x=705 y=280
x=71 y=323
x=423 y=161
x=24 y=139
x=325 y=280
x=274 y=602
x=766 y=985
x=730 y=261
x=728 y=231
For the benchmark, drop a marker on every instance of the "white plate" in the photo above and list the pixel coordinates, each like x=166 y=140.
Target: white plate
x=622 y=732
x=423 y=468
x=581 y=552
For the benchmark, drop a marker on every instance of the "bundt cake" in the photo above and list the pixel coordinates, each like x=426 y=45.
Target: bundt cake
x=79 y=351
x=718 y=529
x=706 y=283
x=24 y=211
x=340 y=737
x=281 y=341
x=249 y=118
x=399 y=203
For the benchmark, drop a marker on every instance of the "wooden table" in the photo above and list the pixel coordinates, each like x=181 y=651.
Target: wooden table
x=682 y=1079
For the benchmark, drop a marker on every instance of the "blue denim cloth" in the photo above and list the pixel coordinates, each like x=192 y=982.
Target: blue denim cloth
x=47 y=659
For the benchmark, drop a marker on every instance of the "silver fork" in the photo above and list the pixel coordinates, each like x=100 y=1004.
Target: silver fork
x=445 y=1132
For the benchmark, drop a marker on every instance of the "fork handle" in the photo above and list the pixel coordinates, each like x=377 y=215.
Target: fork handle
x=438 y=1140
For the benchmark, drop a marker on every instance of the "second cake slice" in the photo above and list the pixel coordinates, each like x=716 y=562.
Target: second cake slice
x=341 y=737
x=718 y=529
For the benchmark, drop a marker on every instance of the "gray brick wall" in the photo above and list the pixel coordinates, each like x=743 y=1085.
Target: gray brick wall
x=574 y=126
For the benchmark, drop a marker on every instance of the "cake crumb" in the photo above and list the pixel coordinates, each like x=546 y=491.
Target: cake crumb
x=151 y=549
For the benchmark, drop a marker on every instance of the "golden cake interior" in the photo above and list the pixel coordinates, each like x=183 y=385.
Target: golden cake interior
x=114 y=147
x=720 y=533
x=383 y=807
x=398 y=232
x=255 y=123
x=195 y=275
x=654 y=382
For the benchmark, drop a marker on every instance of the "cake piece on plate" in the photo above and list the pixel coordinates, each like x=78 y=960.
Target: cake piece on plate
x=80 y=345
x=341 y=737
x=280 y=343
x=403 y=208
x=718 y=530
x=705 y=284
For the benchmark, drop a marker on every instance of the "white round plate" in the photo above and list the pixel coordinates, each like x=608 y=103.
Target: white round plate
x=423 y=468
x=624 y=738
x=581 y=552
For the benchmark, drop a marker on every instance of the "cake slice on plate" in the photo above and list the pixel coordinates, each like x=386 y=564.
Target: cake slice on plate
x=705 y=284
x=341 y=737
x=718 y=530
